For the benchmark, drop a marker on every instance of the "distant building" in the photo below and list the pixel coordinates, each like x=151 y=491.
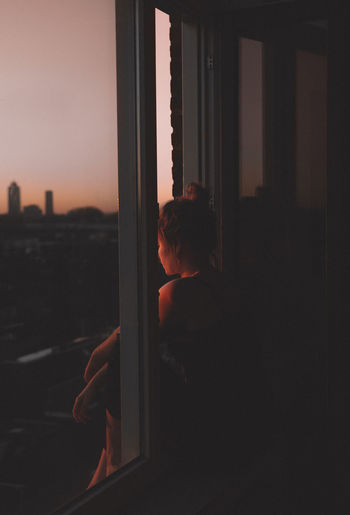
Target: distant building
x=14 y=199
x=32 y=211
x=48 y=203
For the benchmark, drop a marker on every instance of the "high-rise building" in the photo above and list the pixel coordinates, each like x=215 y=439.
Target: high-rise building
x=14 y=199
x=48 y=203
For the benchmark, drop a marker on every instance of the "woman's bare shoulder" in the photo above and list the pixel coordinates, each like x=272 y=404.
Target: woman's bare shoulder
x=172 y=311
x=170 y=288
x=177 y=290
x=182 y=293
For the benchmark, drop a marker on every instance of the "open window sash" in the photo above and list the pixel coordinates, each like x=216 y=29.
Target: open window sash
x=137 y=200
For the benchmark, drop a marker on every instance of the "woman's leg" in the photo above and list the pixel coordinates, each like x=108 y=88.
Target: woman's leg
x=100 y=472
x=113 y=443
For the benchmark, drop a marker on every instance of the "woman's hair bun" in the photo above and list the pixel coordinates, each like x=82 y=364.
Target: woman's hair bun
x=197 y=193
x=189 y=219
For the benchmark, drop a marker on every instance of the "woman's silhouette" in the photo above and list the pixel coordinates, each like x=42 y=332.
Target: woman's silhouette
x=197 y=320
x=203 y=368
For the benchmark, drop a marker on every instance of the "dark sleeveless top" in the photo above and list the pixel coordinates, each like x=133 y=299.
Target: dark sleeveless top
x=209 y=383
x=206 y=380
x=214 y=394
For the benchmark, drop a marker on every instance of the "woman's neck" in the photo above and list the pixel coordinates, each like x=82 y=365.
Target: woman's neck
x=191 y=269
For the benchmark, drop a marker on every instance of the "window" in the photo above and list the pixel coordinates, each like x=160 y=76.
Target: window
x=281 y=204
x=60 y=254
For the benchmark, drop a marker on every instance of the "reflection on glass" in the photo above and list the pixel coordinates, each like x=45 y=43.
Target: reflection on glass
x=311 y=159
x=311 y=129
x=59 y=244
x=250 y=145
x=282 y=237
x=250 y=117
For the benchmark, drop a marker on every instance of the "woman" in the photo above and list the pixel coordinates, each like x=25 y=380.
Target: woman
x=198 y=311
x=197 y=356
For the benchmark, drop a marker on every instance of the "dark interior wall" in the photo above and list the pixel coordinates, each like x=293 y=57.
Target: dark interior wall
x=338 y=212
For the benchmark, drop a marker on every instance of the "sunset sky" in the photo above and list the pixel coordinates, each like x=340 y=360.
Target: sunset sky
x=58 y=114
x=58 y=102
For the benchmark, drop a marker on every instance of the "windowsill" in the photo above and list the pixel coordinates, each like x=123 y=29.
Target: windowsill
x=188 y=490
x=178 y=492
x=288 y=475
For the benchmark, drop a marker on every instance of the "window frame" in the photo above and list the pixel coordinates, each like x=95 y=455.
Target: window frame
x=138 y=213
x=269 y=24
x=263 y=23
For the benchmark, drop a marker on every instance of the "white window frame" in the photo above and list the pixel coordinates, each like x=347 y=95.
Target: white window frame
x=200 y=123
x=137 y=187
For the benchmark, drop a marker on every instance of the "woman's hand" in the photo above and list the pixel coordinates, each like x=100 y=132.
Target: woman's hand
x=96 y=360
x=87 y=396
x=82 y=403
x=100 y=355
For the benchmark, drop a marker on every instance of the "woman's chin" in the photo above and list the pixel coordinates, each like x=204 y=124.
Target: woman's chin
x=171 y=273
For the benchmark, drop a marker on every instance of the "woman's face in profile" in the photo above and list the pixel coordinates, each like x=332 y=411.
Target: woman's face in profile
x=167 y=256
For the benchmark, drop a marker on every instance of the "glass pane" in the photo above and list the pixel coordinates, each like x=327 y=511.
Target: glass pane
x=250 y=117
x=250 y=143
x=311 y=129
x=164 y=130
x=282 y=236
x=59 y=244
x=308 y=232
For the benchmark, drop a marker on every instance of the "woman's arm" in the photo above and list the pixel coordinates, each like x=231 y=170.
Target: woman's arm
x=101 y=355
x=87 y=395
x=170 y=313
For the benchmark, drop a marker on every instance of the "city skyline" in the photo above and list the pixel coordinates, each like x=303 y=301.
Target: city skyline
x=15 y=206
